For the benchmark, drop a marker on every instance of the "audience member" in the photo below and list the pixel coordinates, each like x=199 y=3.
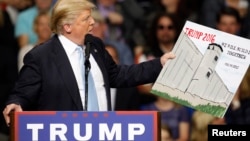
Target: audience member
x=163 y=33
x=111 y=11
x=161 y=38
x=180 y=8
x=199 y=125
x=211 y=8
x=124 y=19
x=134 y=23
x=99 y=30
x=43 y=32
x=24 y=27
x=228 y=20
x=245 y=24
x=174 y=115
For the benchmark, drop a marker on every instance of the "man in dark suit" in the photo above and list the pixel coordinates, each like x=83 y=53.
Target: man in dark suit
x=50 y=78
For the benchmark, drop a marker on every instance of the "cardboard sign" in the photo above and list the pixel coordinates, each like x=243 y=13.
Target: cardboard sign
x=207 y=71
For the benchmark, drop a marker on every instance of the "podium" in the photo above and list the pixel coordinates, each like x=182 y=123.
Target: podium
x=82 y=125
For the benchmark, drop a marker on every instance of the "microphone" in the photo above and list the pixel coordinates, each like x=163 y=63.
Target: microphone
x=87 y=44
x=87 y=67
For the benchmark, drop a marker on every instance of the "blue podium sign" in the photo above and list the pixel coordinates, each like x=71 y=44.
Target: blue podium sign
x=86 y=126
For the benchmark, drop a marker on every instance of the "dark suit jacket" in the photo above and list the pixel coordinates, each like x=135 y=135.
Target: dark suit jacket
x=47 y=81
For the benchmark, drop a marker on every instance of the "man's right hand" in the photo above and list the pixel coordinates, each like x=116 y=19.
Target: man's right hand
x=8 y=109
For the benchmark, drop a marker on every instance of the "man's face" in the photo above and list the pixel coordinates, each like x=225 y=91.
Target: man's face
x=165 y=30
x=82 y=25
x=42 y=28
x=228 y=24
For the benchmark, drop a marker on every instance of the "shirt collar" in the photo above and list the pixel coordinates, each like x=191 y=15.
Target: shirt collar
x=68 y=45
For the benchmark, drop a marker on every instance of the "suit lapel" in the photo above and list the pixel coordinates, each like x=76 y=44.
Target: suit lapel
x=96 y=54
x=66 y=72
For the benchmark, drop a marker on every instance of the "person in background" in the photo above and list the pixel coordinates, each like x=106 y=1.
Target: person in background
x=161 y=38
x=43 y=31
x=228 y=20
x=199 y=125
x=50 y=78
x=100 y=29
x=174 y=115
x=24 y=27
x=211 y=8
x=180 y=8
x=111 y=11
x=125 y=19
x=162 y=35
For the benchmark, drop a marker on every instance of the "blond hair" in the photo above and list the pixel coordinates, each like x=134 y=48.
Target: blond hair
x=66 y=11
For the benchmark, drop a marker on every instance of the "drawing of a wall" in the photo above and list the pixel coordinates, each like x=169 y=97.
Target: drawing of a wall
x=193 y=73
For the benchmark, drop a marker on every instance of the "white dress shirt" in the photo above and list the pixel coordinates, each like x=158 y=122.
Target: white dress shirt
x=70 y=49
